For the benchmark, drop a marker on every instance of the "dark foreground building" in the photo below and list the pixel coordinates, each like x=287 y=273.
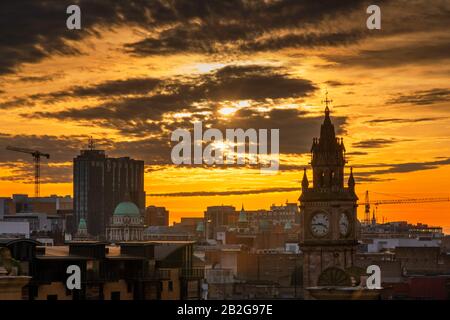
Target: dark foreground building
x=152 y=270
x=100 y=183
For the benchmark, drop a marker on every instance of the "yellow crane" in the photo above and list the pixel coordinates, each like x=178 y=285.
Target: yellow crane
x=367 y=203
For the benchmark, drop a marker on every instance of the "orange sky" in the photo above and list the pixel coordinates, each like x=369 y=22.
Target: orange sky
x=389 y=89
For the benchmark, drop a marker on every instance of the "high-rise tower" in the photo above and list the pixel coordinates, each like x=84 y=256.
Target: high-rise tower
x=100 y=183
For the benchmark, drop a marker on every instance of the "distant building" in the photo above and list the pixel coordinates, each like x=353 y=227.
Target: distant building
x=6 y=207
x=401 y=229
x=39 y=222
x=126 y=223
x=156 y=216
x=381 y=244
x=14 y=229
x=219 y=216
x=100 y=183
x=234 y=272
x=53 y=204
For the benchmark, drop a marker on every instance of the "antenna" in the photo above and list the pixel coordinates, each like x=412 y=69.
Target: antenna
x=91 y=145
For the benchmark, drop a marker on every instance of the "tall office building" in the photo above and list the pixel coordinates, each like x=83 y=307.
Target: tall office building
x=100 y=183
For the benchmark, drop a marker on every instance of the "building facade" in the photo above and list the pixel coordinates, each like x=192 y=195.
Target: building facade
x=101 y=183
x=156 y=216
x=126 y=224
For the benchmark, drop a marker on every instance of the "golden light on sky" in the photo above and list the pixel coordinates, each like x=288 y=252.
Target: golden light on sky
x=129 y=79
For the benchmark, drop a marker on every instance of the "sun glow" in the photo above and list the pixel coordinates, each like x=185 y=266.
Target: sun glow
x=227 y=111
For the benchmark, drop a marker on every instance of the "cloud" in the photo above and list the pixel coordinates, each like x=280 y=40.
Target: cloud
x=34 y=30
x=243 y=26
x=404 y=167
x=423 y=97
x=400 y=120
x=225 y=193
x=374 y=143
x=143 y=113
x=415 y=53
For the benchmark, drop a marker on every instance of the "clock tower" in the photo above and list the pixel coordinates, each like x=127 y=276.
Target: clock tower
x=328 y=219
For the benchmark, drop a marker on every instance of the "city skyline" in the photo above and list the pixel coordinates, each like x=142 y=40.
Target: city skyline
x=130 y=78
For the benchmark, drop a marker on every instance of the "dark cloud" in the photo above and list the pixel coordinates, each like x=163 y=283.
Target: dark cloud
x=225 y=193
x=33 y=30
x=416 y=53
x=237 y=25
x=24 y=173
x=400 y=120
x=131 y=115
x=404 y=167
x=37 y=78
x=109 y=88
x=336 y=83
x=63 y=149
x=423 y=97
x=357 y=153
x=374 y=143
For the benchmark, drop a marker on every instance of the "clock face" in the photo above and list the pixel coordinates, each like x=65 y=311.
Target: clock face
x=320 y=224
x=344 y=224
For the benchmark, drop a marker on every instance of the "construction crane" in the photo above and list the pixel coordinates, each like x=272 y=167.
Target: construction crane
x=37 y=164
x=368 y=203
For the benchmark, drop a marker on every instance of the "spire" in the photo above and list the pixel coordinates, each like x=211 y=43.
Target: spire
x=91 y=145
x=327 y=134
x=242 y=216
x=305 y=182
x=374 y=219
x=351 y=179
x=327 y=109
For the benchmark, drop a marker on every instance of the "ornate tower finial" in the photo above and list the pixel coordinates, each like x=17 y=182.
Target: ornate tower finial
x=91 y=145
x=327 y=101
x=351 y=179
x=305 y=182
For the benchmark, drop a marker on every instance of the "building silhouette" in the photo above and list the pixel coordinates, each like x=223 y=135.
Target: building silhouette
x=329 y=224
x=156 y=216
x=100 y=183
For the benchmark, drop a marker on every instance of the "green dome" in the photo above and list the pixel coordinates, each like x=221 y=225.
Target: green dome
x=82 y=224
x=126 y=208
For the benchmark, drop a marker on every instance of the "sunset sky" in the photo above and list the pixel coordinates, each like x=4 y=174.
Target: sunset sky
x=137 y=70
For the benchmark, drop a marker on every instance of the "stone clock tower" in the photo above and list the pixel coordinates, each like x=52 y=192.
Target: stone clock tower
x=328 y=220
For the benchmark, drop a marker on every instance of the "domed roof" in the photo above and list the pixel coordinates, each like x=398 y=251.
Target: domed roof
x=126 y=208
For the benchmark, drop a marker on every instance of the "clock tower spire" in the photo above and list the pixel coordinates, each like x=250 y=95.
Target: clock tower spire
x=328 y=220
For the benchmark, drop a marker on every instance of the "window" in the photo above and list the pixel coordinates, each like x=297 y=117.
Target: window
x=170 y=285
